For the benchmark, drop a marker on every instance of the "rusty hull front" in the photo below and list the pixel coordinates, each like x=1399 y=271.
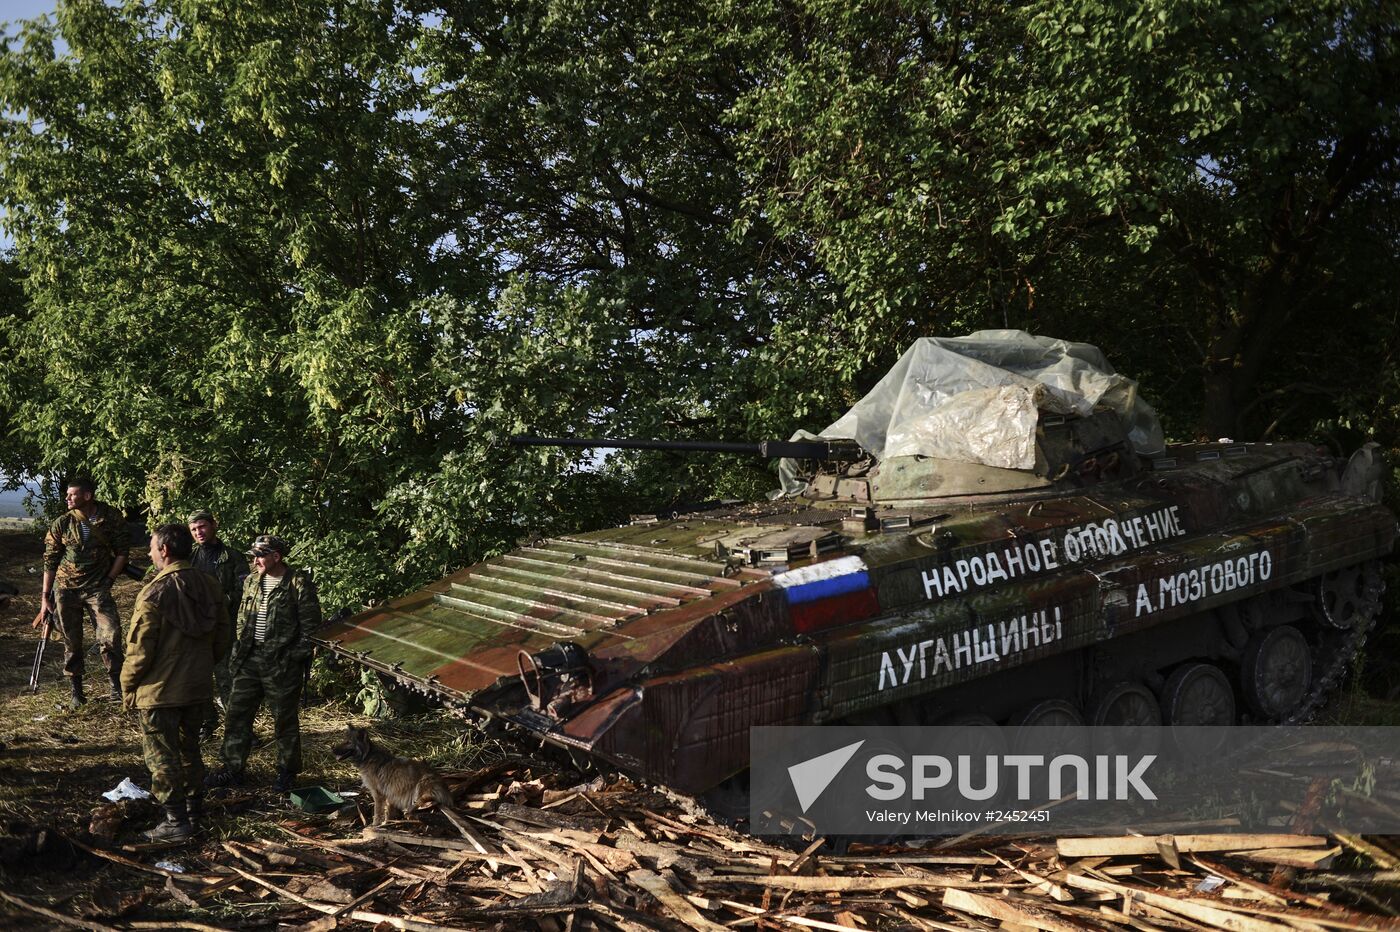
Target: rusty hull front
x=687 y=649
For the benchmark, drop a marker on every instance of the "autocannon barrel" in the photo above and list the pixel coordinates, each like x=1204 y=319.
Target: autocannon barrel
x=790 y=449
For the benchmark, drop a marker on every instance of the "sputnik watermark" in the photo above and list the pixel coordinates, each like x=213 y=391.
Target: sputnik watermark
x=1117 y=777
x=883 y=780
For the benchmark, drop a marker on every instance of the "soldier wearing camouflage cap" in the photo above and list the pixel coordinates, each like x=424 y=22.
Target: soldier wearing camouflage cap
x=229 y=568
x=85 y=551
x=278 y=612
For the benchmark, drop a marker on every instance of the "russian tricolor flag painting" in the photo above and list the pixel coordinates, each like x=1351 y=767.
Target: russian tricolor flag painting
x=827 y=594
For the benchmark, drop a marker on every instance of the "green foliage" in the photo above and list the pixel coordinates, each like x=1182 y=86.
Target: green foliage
x=312 y=264
x=1097 y=171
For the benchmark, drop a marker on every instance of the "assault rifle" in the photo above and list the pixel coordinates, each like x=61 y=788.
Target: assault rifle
x=45 y=619
x=138 y=573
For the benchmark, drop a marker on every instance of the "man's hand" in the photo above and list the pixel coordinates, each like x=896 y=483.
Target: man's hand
x=38 y=622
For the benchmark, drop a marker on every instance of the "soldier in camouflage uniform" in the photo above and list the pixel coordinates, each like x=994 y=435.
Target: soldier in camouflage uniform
x=228 y=567
x=180 y=627
x=275 y=620
x=84 y=552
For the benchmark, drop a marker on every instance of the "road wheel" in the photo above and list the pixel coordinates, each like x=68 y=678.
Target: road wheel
x=1277 y=671
x=1127 y=703
x=1347 y=596
x=1049 y=727
x=1050 y=712
x=978 y=738
x=1130 y=718
x=1198 y=694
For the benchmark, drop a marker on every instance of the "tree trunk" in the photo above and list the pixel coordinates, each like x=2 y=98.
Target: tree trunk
x=1219 y=412
x=1222 y=391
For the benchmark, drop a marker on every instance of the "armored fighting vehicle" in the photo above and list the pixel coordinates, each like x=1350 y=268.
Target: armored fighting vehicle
x=995 y=533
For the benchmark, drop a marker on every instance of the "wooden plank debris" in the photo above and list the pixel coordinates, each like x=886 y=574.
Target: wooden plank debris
x=1117 y=846
x=979 y=904
x=536 y=854
x=657 y=886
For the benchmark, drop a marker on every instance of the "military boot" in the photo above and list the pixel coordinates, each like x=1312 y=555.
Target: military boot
x=195 y=808
x=115 y=675
x=174 y=827
x=76 y=682
x=223 y=777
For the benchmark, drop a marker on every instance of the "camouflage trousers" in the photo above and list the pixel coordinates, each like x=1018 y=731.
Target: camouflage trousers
x=170 y=745
x=260 y=676
x=74 y=605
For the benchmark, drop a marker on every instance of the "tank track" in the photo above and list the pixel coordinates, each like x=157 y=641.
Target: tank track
x=1345 y=646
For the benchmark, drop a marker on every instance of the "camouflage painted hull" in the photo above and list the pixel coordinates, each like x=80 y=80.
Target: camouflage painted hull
x=655 y=647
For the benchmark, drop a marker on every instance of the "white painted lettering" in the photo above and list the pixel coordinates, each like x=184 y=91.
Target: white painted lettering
x=1015 y=563
x=933 y=585
x=887 y=671
x=1072 y=553
x=962 y=649
x=941 y=660
x=1115 y=538
x=979 y=571
x=994 y=570
x=1144 y=604
x=908 y=661
x=983 y=651
x=1010 y=638
x=1033 y=558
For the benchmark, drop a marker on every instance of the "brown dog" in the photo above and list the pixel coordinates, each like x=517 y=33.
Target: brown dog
x=396 y=784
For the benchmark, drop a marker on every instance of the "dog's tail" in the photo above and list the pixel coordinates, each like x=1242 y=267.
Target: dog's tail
x=436 y=792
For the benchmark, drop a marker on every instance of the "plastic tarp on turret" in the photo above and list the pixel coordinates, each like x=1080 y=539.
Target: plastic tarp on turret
x=977 y=399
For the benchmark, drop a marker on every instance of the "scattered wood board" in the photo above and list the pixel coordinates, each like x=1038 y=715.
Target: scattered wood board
x=530 y=854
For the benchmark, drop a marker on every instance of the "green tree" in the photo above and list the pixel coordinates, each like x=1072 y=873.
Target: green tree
x=219 y=217
x=1193 y=173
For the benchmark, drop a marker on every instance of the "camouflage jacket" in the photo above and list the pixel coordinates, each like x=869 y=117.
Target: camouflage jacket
x=227 y=566
x=293 y=612
x=180 y=627
x=78 y=565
